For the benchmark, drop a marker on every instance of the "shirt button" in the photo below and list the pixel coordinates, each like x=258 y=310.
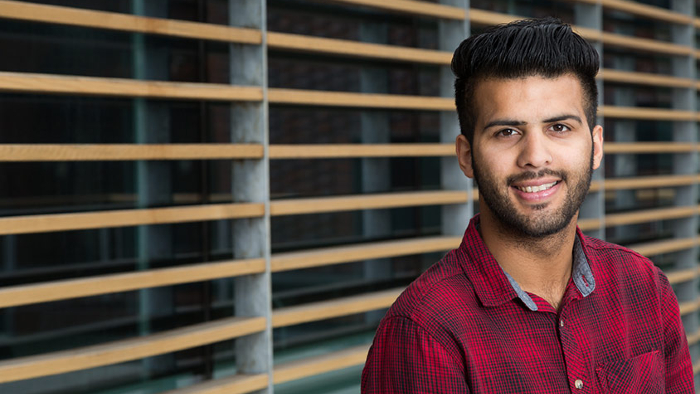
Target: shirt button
x=578 y=384
x=561 y=323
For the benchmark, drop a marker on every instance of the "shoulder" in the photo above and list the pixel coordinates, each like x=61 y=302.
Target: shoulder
x=434 y=295
x=621 y=265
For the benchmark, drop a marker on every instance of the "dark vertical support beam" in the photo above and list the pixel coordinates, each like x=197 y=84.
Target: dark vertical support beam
x=591 y=16
x=376 y=175
x=686 y=164
x=251 y=237
x=152 y=125
x=455 y=218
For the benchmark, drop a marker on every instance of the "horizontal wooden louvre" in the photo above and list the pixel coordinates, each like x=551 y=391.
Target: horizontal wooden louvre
x=89 y=152
x=648 y=147
x=681 y=276
x=611 y=75
x=372 y=201
x=376 y=250
x=589 y=224
x=650 y=182
x=358 y=100
x=302 y=43
x=317 y=365
x=62 y=84
x=128 y=23
x=689 y=307
x=610 y=111
x=73 y=288
x=413 y=7
x=665 y=246
x=287 y=316
x=619 y=219
x=130 y=349
x=647 y=11
x=130 y=217
x=486 y=18
x=327 y=151
x=237 y=384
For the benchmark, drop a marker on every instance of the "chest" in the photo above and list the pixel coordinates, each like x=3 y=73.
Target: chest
x=586 y=347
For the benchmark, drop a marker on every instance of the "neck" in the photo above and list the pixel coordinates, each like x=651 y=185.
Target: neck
x=540 y=265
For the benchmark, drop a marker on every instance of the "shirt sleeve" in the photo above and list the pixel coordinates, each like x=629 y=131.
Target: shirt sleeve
x=405 y=358
x=679 y=368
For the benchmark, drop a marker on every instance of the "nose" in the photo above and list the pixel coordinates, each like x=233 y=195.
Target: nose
x=534 y=151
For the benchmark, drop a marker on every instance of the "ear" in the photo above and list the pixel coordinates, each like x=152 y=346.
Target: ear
x=597 y=146
x=464 y=155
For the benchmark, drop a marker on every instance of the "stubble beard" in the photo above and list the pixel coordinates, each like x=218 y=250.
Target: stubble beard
x=497 y=198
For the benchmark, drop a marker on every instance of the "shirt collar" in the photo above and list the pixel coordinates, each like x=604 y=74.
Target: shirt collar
x=494 y=286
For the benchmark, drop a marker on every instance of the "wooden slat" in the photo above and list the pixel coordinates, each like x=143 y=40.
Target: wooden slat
x=128 y=217
x=412 y=7
x=611 y=75
x=62 y=84
x=688 y=307
x=333 y=46
x=317 y=365
x=610 y=111
x=488 y=18
x=344 y=254
x=696 y=23
x=287 y=316
x=666 y=246
x=693 y=338
x=650 y=182
x=644 y=44
x=130 y=349
x=128 y=23
x=619 y=219
x=696 y=367
x=372 y=201
x=105 y=152
x=647 y=147
x=480 y=17
x=647 y=11
x=358 y=100
x=589 y=224
x=236 y=384
x=681 y=276
x=318 y=151
x=106 y=284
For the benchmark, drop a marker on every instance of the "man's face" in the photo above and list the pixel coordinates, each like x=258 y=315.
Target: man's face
x=532 y=154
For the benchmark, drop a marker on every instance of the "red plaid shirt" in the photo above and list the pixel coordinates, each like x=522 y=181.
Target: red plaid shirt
x=465 y=327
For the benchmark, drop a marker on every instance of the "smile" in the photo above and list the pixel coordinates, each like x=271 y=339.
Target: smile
x=535 y=189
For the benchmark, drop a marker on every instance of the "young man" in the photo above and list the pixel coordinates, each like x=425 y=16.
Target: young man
x=527 y=303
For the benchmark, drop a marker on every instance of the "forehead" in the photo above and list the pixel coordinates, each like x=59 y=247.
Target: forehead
x=528 y=99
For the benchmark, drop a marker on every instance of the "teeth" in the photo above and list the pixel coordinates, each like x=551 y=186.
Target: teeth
x=535 y=189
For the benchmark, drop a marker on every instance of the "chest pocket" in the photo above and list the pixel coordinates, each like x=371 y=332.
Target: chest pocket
x=641 y=374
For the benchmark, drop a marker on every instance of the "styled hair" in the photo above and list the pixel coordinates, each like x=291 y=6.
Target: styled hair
x=544 y=47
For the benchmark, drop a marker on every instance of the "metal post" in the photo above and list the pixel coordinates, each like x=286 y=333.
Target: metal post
x=251 y=237
x=455 y=218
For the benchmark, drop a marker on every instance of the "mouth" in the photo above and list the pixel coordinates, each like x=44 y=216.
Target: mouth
x=537 y=188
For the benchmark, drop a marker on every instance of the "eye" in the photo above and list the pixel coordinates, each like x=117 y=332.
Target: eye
x=560 y=128
x=506 y=133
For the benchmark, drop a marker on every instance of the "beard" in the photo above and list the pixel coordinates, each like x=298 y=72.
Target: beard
x=496 y=195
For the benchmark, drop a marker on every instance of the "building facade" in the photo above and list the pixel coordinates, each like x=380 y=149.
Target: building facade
x=201 y=195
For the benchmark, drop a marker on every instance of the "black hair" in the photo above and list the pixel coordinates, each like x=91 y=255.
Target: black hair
x=531 y=47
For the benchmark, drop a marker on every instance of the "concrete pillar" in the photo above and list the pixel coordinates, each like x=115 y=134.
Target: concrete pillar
x=251 y=237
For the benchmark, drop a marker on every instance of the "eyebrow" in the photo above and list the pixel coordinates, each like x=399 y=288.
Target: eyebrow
x=513 y=122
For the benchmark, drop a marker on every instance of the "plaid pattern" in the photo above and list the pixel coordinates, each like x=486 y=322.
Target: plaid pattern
x=461 y=328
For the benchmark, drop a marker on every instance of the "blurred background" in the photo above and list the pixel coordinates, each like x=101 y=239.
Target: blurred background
x=201 y=195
